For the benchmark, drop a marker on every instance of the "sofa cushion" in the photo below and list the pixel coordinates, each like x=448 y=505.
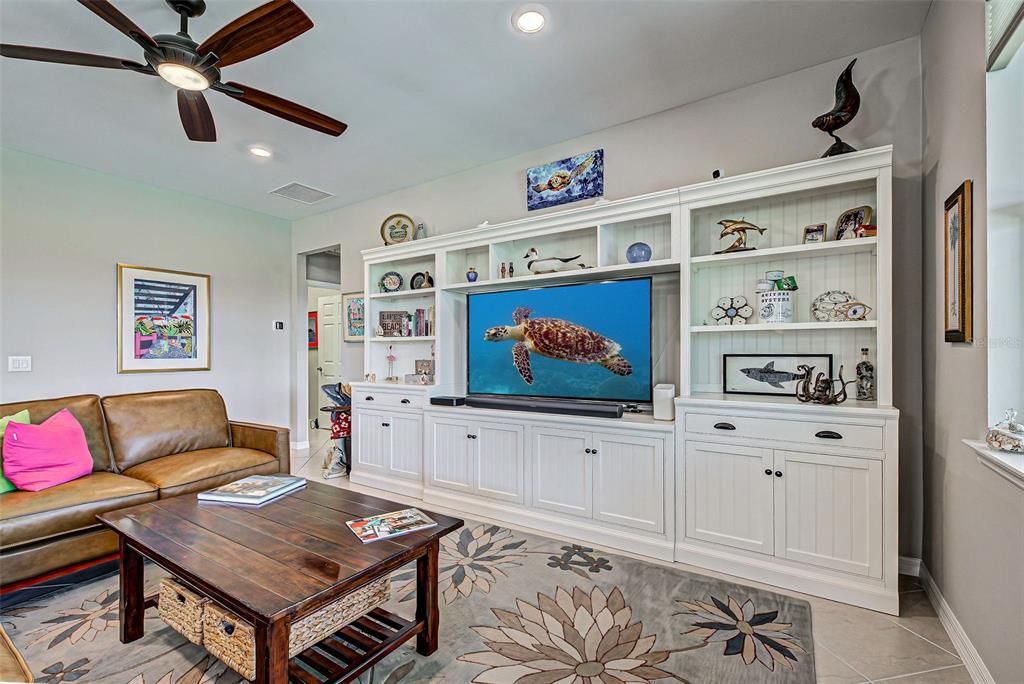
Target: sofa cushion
x=38 y=457
x=29 y=516
x=154 y=424
x=203 y=469
x=85 y=408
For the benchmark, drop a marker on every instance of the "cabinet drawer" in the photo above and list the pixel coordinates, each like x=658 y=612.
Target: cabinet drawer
x=388 y=397
x=804 y=431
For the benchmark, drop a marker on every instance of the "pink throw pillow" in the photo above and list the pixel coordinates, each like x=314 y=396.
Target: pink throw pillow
x=41 y=456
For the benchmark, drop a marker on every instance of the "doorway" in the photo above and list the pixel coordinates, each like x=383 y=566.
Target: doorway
x=323 y=329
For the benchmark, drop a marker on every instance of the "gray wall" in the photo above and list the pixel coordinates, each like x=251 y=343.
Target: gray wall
x=974 y=519
x=63 y=229
x=757 y=127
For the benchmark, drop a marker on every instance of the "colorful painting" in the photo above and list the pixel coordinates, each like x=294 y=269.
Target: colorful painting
x=566 y=180
x=313 y=329
x=354 y=305
x=163 y=320
x=958 y=265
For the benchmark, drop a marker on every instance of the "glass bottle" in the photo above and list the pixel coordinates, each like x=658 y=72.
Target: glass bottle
x=865 y=377
x=503 y=271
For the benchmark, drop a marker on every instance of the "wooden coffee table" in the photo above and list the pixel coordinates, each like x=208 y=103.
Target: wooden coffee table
x=277 y=563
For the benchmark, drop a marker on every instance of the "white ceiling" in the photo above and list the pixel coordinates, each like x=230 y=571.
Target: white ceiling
x=428 y=88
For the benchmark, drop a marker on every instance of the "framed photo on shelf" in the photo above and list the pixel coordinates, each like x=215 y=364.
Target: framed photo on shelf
x=957 y=237
x=769 y=374
x=313 y=329
x=163 y=320
x=850 y=220
x=814 y=233
x=354 y=306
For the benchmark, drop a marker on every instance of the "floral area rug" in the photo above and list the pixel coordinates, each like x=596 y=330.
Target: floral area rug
x=515 y=609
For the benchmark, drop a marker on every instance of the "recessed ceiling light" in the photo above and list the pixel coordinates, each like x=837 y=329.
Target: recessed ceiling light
x=529 y=19
x=182 y=76
x=261 y=152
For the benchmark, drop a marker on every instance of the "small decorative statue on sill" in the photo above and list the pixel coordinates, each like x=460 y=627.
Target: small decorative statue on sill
x=822 y=390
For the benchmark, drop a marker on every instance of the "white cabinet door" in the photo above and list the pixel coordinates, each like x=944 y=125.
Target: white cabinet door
x=499 y=461
x=729 y=492
x=372 y=441
x=406 y=456
x=450 y=454
x=629 y=480
x=828 y=511
x=562 y=471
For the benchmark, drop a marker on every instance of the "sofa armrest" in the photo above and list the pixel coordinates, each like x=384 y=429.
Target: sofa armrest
x=273 y=440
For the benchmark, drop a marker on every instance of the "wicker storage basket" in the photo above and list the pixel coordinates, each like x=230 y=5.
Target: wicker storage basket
x=231 y=638
x=182 y=609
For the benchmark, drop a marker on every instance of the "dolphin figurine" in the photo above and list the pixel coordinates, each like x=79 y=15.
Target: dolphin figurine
x=738 y=229
x=768 y=375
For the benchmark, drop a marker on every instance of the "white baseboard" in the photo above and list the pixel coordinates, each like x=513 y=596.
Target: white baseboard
x=910 y=566
x=968 y=654
x=299 y=445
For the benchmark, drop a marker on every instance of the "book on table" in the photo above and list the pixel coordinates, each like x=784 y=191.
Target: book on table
x=388 y=525
x=254 y=490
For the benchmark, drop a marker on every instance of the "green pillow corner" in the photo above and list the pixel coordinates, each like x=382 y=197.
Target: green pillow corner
x=19 y=417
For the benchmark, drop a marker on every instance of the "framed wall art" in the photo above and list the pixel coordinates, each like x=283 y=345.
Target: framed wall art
x=957 y=238
x=769 y=374
x=567 y=180
x=163 y=320
x=313 y=329
x=354 y=306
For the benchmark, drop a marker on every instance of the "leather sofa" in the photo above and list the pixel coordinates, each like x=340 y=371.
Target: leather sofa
x=144 y=447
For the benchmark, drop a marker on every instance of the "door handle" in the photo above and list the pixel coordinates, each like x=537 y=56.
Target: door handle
x=406 y=401
x=724 y=426
x=828 y=434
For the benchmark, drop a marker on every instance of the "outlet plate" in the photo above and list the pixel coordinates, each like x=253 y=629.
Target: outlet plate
x=19 y=364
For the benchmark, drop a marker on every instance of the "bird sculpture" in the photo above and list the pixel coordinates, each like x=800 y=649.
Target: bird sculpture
x=846 y=107
x=537 y=265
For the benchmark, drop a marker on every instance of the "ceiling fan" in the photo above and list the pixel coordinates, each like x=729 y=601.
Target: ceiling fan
x=194 y=67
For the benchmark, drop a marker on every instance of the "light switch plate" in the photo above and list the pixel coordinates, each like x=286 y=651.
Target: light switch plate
x=278 y=325
x=19 y=364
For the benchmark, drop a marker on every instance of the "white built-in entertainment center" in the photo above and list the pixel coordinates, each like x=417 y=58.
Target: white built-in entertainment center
x=799 y=495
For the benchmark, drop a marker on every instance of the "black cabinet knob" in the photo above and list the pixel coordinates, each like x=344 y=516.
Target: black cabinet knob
x=406 y=401
x=369 y=398
x=767 y=471
x=587 y=451
x=593 y=451
x=724 y=426
x=470 y=436
x=828 y=434
x=778 y=473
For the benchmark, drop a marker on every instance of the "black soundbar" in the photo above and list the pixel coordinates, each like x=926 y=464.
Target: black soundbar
x=560 y=406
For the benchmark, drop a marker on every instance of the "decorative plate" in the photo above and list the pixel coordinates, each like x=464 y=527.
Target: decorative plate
x=397 y=228
x=416 y=282
x=838 y=306
x=391 y=281
x=732 y=311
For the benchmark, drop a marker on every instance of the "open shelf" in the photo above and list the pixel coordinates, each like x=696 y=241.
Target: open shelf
x=403 y=294
x=580 y=276
x=834 y=248
x=415 y=338
x=783 y=327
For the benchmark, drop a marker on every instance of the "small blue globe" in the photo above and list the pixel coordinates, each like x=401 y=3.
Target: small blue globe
x=637 y=252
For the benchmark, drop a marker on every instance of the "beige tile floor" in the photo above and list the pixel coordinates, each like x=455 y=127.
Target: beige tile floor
x=852 y=645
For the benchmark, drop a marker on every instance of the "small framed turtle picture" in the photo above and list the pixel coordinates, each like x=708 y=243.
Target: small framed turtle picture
x=770 y=374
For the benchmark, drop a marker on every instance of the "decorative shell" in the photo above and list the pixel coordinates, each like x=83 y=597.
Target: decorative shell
x=1007 y=435
x=732 y=311
x=838 y=306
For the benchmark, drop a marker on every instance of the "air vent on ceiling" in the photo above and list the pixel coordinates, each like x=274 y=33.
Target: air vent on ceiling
x=301 y=193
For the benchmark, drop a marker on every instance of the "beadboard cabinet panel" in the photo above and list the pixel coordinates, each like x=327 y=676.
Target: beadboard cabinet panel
x=499 y=461
x=406 y=453
x=562 y=473
x=372 y=441
x=450 y=452
x=629 y=473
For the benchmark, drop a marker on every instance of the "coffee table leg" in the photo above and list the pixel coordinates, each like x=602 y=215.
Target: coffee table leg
x=272 y=652
x=132 y=606
x=426 y=600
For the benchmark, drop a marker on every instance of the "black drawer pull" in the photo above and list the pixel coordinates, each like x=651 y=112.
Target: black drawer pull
x=385 y=424
x=470 y=436
x=406 y=401
x=828 y=434
x=767 y=471
x=369 y=398
x=724 y=426
x=778 y=473
x=179 y=598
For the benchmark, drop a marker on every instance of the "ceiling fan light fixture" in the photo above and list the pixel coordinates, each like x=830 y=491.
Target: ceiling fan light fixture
x=181 y=76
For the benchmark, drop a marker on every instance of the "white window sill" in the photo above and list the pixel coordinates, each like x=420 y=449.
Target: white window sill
x=1007 y=465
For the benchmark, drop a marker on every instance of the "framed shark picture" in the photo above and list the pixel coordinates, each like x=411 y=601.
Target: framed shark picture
x=567 y=180
x=770 y=374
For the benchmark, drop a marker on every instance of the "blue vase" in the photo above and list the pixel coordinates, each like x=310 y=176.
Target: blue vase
x=471 y=275
x=638 y=252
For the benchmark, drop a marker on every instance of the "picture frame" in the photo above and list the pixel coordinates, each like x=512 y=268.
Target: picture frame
x=769 y=374
x=815 y=233
x=957 y=233
x=313 y=329
x=849 y=220
x=572 y=179
x=424 y=366
x=354 y=306
x=163 y=320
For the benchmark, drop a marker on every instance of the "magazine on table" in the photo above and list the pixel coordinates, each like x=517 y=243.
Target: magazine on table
x=254 y=490
x=389 y=525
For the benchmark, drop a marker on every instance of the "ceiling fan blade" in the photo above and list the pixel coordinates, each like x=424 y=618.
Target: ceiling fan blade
x=256 y=32
x=272 y=104
x=39 y=54
x=196 y=117
x=113 y=16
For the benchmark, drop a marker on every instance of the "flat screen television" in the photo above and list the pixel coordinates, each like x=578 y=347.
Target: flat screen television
x=590 y=341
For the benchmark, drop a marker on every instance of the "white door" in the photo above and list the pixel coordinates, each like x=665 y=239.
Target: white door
x=499 y=461
x=406 y=456
x=450 y=457
x=562 y=471
x=371 y=441
x=828 y=511
x=629 y=480
x=328 y=351
x=729 y=491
